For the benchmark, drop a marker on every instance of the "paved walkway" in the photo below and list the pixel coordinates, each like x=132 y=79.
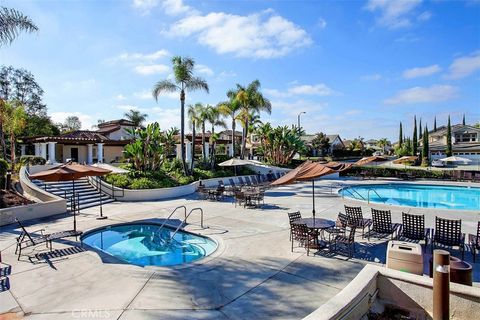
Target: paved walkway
x=253 y=275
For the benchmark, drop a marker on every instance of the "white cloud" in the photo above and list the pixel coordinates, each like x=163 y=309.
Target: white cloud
x=352 y=112
x=322 y=23
x=166 y=117
x=120 y=97
x=226 y=74
x=151 y=69
x=435 y=93
x=393 y=13
x=464 y=66
x=127 y=107
x=421 y=72
x=292 y=108
x=260 y=35
x=147 y=95
x=424 y=16
x=371 y=77
x=177 y=7
x=140 y=57
x=85 y=119
x=145 y=6
x=79 y=85
x=201 y=68
x=320 y=89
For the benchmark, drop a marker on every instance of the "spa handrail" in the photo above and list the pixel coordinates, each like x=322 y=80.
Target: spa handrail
x=348 y=189
x=184 y=221
x=171 y=214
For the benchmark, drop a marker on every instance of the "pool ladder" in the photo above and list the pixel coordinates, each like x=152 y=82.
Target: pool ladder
x=368 y=195
x=350 y=191
x=185 y=221
x=171 y=214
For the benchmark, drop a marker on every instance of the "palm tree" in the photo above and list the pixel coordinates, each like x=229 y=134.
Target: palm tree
x=230 y=108
x=14 y=118
x=136 y=117
x=194 y=113
x=203 y=117
x=382 y=143
x=250 y=99
x=11 y=23
x=214 y=118
x=184 y=80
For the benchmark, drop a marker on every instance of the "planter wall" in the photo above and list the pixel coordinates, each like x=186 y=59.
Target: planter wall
x=48 y=205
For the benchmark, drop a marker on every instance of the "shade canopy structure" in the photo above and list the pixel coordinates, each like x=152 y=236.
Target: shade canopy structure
x=71 y=172
x=367 y=160
x=456 y=159
x=234 y=162
x=309 y=171
x=112 y=169
x=405 y=159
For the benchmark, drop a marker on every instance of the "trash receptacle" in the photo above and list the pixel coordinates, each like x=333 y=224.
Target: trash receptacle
x=405 y=256
x=460 y=271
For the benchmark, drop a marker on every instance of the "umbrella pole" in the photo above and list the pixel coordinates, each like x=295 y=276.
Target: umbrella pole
x=74 y=205
x=313 y=201
x=100 y=194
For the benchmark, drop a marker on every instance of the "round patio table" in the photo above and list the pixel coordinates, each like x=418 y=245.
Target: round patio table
x=317 y=224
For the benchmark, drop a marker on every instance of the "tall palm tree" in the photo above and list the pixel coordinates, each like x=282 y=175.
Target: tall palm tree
x=230 y=109
x=250 y=99
x=382 y=143
x=14 y=118
x=203 y=114
x=184 y=80
x=194 y=113
x=11 y=23
x=136 y=117
x=214 y=118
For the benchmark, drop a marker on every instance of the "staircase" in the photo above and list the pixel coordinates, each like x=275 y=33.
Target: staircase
x=88 y=196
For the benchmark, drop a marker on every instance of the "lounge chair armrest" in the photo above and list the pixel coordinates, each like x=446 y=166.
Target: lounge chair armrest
x=39 y=230
x=473 y=239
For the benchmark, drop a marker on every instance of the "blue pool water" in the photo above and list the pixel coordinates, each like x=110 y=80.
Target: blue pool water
x=414 y=195
x=148 y=245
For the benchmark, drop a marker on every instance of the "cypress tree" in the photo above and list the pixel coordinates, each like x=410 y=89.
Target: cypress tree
x=414 y=138
x=420 y=132
x=448 y=150
x=435 y=124
x=463 y=121
x=425 y=148
x=400 y=136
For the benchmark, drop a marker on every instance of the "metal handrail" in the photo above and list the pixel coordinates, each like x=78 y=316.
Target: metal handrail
x=171 y=214
x=368 y=195
x=347 y=189
x=184 y=221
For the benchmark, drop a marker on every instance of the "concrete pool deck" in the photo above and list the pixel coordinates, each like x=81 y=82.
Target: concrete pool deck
x=253 y=274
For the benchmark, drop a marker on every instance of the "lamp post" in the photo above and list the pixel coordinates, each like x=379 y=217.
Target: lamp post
x=298 y=120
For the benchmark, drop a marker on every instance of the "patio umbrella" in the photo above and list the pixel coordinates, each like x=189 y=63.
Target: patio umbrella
x=234 y=162
x=367 y=160
x=71 y=172
x=310 y=171
x=456 y=159
x=405 y=159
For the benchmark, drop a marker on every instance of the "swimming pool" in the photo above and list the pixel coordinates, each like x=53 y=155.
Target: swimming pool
x=149 y=245
x=415 y=195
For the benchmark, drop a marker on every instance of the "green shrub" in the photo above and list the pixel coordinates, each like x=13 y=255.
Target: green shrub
x=144 y=183
x=31 y=160
x=394 y=172
x=118 y=180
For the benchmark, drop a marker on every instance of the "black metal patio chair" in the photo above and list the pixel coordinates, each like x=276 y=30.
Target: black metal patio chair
x=474 y=241
x=356 y=219
x=448 y=233
x=413 y=228
x=345 y=240
x=382 y=224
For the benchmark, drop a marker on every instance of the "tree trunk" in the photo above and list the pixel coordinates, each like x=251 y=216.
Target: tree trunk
x=193 y=146
x=244 y=143
x=12 y=151
x=212 y=153
x=233 y=135
x=2 y=142
x=204 y=155
x=182 y=131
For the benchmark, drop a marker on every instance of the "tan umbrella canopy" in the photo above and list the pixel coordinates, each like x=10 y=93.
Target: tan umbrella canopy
x=367 y=160
x=310 y=171
x=405 y=159
x=234 y=162
x=456 y=159
x=71 y=172
x=113 y=169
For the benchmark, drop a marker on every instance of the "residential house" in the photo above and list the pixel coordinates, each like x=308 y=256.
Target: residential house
x=465 y=142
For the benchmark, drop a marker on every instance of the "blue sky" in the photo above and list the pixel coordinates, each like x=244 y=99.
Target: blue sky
x=356 y=68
